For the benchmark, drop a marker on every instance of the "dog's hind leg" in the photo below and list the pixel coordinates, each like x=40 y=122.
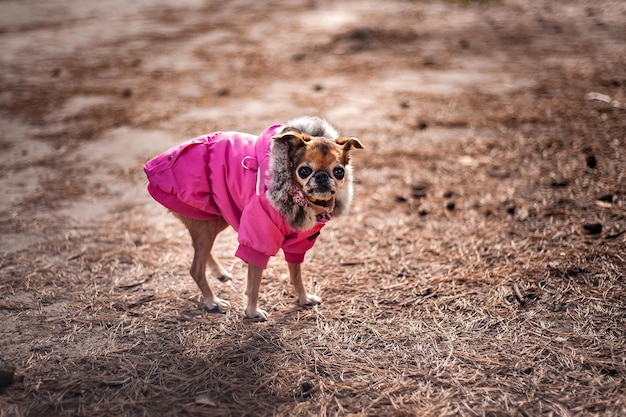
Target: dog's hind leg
x=218 y=270
x=203 y=235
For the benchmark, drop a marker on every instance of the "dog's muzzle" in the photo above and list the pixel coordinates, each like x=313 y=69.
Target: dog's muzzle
x=322 y=183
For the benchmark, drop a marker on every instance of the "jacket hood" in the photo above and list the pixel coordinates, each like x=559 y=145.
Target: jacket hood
x=282 y=192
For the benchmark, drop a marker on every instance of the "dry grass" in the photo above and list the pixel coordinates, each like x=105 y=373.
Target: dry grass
x=465 y=283
x=465 y=325
x=467 y=312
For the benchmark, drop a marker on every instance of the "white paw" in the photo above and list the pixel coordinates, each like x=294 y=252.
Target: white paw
x=256 y=314
x=309 y=300
x=216 y=304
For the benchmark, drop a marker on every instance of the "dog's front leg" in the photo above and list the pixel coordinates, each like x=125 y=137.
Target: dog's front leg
x=304 y=298
x=255 y=273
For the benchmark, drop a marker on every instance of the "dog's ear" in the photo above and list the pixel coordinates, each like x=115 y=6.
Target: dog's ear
x=292 y=137
x=347 y=143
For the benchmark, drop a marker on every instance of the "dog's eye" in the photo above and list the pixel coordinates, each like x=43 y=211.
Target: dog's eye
x=304 y=172
x=338 y=173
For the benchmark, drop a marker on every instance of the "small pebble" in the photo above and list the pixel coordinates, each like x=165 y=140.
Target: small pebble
x=593 y=228
x=559 y=183
x=488 y=211
x=418 y=193
x=497 y=171
x=591 y=161
x=419 y=190
x=510 y=209
x=306 y=388
x=422 y=125
x=428 y=61
x=450 y=205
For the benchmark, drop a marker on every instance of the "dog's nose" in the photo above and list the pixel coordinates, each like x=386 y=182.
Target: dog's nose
x=321 y=176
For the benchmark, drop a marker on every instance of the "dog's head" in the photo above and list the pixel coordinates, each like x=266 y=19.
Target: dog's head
x=311 y=172
x=319 y=165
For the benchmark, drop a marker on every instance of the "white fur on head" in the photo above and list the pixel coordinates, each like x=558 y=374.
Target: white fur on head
x=314 y=126
x=280 y=192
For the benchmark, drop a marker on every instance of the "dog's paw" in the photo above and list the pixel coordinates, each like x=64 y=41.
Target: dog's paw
x=225 y=278
x=216 y=304
x=309 y=300
x=218 y=271
x=256 y=314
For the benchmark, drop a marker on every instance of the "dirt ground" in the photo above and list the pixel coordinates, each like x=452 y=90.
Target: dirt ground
x=480 y=273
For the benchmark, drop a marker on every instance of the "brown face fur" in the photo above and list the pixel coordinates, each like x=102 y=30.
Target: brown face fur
x=319 y=163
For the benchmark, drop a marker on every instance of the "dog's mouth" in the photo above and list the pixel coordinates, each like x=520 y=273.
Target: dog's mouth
x=324 y=203
x=321 y=196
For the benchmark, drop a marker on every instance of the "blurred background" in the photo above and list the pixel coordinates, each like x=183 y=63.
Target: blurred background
x=480 y=271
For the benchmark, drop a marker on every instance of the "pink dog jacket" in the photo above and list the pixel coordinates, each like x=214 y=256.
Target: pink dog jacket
x=226 y=174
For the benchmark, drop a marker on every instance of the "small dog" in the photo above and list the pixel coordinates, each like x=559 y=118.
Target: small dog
x=276 y=190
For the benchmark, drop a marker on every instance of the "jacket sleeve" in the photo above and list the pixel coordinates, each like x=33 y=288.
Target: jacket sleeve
x=297 y=244
x=260 y=233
